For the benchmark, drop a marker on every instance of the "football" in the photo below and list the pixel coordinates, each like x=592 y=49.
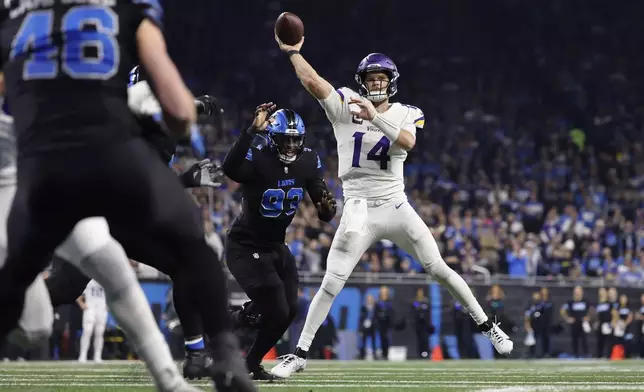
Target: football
x=289 y=28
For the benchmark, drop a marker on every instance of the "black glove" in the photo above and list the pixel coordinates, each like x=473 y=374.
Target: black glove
x=207 y=105
x=326 y=207
x=202 y=173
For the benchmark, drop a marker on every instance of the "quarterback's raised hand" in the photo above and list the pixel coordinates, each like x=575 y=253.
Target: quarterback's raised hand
x=262 y=113
x=362 y=108
x=326 y=207
x=202 y=173
x=285 y=48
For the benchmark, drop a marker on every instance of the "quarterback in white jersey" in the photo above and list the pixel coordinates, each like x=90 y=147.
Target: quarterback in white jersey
x=373 y=137
x=94 y=320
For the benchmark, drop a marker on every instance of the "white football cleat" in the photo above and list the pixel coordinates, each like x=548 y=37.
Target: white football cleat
x=290 y=364
x=499 y=339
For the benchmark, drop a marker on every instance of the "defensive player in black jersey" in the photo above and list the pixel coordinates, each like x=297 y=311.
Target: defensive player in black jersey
x=274 y=178
x=66 y=68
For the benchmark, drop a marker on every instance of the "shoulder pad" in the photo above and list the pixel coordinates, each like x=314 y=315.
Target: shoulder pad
x=417 y=116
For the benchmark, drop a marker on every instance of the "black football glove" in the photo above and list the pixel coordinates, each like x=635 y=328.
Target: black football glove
x=326 y=207
x=202 y=173
x=207 y=105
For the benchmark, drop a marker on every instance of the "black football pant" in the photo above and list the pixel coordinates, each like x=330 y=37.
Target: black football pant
x=66 y=282
x=543 y=339
x=128 y=185
x=603 y=343
x=422 y=341
x=578 y=336
x=368 y=333
x=384 y=342
x=269 y=278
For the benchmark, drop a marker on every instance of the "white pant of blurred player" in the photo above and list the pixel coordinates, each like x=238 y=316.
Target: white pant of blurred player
x=38 y=315
x=94 y=321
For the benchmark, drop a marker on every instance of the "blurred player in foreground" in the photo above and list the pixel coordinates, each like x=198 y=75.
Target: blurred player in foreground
x=274 y=178
x=94 y=307
x=79 y=150
x=66 y=283
x=373 y=136
x=127 y=300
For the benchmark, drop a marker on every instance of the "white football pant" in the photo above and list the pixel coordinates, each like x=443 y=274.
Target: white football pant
x=365 y=222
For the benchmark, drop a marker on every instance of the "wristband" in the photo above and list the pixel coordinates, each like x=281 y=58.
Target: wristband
x=390 y=130
x=292 y=52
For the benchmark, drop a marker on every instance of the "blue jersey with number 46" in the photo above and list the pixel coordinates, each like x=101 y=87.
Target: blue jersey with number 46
x=272 y=190
x=66 y=65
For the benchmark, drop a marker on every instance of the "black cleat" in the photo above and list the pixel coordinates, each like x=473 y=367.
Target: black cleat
x=196 y=364
x=258 y=373
x=229 y=371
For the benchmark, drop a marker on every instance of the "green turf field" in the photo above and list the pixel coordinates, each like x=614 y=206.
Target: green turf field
x=354 y=376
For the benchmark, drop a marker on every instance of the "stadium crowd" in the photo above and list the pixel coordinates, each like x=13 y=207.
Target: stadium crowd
x=531 y=161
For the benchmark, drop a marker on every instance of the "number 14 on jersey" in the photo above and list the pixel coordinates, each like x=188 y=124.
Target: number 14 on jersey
x=378 y=153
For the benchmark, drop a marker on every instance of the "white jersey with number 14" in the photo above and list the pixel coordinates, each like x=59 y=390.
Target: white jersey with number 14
x=370 y=165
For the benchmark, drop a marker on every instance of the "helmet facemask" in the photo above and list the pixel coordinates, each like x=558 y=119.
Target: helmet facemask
x=376 y=86
x=289 y=145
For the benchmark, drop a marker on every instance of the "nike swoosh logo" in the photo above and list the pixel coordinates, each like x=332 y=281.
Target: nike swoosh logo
x=398 y=206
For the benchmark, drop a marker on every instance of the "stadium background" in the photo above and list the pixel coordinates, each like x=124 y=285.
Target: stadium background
x=530 y=169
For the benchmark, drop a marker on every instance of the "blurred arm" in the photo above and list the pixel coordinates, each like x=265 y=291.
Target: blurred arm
x=238 y=164
x=176 y=100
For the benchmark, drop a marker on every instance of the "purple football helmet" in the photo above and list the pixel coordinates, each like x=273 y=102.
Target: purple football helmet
x=377 y=62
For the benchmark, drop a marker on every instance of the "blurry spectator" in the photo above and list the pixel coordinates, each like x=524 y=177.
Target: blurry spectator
x=533 y=211
x=640 y=333
x=534 y=259
x=312 y=257
x=611 y=267
x=576 y=313
x=388 y=264
x=384 y=320
x=422 y=324
x=517 y=260
x=630 y=274
x=495 y=298
x=545 y=322
x=367 y=327
x=452 y=256
x=532 y=323
x=490 y=248
x=603 y=323
x=593 y=264
x=622 y=317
